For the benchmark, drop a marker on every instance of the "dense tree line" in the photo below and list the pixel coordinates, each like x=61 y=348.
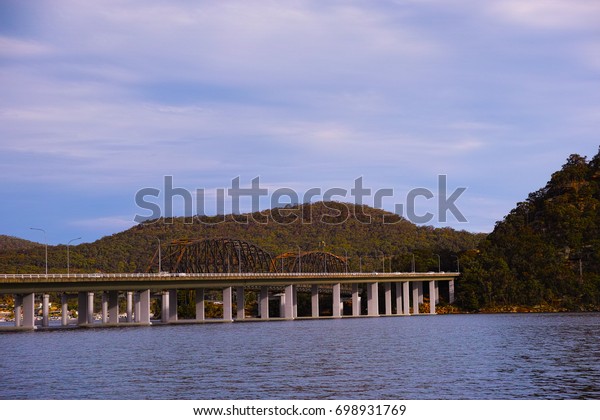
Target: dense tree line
x=546 y=251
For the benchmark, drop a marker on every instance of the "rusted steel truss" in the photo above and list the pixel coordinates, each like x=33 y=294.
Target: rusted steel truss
x=309 y=262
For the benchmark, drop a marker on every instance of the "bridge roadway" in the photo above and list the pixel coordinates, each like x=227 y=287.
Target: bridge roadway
x=138 y=289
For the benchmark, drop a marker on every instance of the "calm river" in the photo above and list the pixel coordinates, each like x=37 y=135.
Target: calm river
x=508 y=356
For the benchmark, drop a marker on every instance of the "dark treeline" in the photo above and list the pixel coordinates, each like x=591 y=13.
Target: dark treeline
x=546 y=251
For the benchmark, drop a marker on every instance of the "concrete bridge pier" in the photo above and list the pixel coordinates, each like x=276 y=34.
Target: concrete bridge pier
x=113 y=307
x=45 y=310
x=451 y=291
x=290 y=303
x=199 y=304
x=314 y=300
x=164 y=307
x=141 y=312
x=432 y=296
x=227 y=305
x=240 y=302
x=355 y=300
x=406 y=298
x=172 y=313
x=129 y=307
x=337 y=301
x=264 y=302
x=373 y=299
x=105 y=307
x=398 y=287
x=64 y=309
x=29 y=310
x=416 y=296
x=387 y=294
x=18 y=309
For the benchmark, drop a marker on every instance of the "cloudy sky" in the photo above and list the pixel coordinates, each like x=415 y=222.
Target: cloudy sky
x=102 y=99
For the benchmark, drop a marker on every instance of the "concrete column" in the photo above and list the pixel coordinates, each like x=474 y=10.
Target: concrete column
x=113 y=306
x=240 y=302
x=337 y=301
x=295 y=302
x=82 y=308
x=373 y=299
x=227 y=306
x=136 y=307
x=164 y=309
x=420 y=289
x=200 y=304
x=173 y=305
x=355 y=300
x=437 y=293
x=129 y=307
x=29 y=310
x=90 y=307
x=405 y=298
x=387 y=293
x=314 y=300
x=18 y=310
x=264 y=302
x=289 y=302
x=415 y=296
x=451 y=291
x=104 y=307
x=64 y=306
x=432 y=290
x=282 y=305
x=45 y=310
x=144 y=307
x=398 y=298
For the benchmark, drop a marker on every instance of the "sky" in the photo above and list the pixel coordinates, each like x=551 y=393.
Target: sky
x=101 y=102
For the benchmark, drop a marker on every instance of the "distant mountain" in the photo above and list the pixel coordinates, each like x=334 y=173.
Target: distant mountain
x=546 y=251
x=13 y=243
x=369 y=237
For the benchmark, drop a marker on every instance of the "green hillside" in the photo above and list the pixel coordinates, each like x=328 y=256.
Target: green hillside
x=546 y=251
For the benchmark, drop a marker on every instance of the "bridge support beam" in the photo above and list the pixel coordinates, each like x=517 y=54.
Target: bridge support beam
x=373 y=299
x=415 y=296
x=164 y=307
x=405 y=298
x=82 y=308
x=387 y=293
x=199 y=304
x=29 y=310
x=420 y=288
x=113 y=307
x=129 y=308
x=432 y=296
x=18 y=310
x=90 y=307
x=398 y=287
x=289 y=302
x=314 y=300
x=451 y=291
x=355 y=300
x=264 y=302
x=240 y=303
x=227 y=305
x=173 y=305
x=105 y=307
x=45 y=310
x=142 y=307
x=337 y=300
x=64 y=309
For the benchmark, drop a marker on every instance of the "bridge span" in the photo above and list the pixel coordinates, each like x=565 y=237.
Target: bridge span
x=401 y=294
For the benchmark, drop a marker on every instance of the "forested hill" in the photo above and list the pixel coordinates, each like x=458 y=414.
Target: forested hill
x=13 y=243
x=546 y=251
x=340 y=228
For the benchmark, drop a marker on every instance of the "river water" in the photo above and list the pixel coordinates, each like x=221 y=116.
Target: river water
x=505 y=356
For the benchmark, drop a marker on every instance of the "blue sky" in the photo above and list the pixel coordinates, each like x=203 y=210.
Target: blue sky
x=102 y=99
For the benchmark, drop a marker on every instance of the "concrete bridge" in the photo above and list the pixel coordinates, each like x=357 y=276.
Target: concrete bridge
x=401 y=293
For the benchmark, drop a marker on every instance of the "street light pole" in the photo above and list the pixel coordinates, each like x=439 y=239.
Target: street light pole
x=413 y=262
x=159 y=257
x=69 y=243
x=439 y=263
x=457 y=263
x=299 y=260
x=46 y=241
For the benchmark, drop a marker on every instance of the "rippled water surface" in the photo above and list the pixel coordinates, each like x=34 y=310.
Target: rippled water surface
x=529 y=356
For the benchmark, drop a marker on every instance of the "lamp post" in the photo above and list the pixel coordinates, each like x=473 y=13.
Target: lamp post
x=68 y=262
x=359 y=263
x=457 y=264
x=46 y=241
x=159 y=257
x=299 y=260
x=346 y=252
x=383 y=261
x=412 y=262
x=439 y=263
